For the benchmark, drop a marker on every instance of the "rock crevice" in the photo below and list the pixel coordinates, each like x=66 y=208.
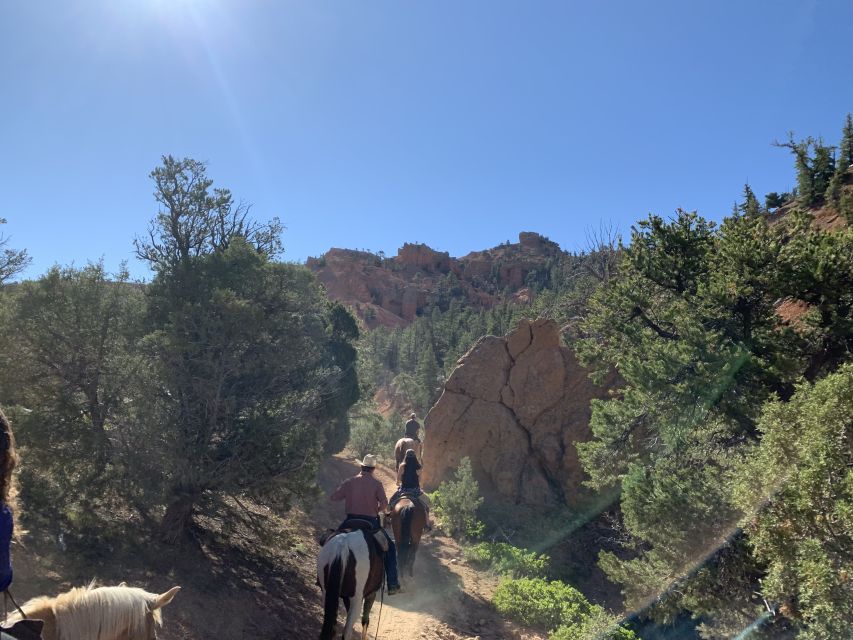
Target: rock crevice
x=515 y=405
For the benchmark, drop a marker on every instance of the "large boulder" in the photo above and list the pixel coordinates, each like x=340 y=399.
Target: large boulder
x=516 y=406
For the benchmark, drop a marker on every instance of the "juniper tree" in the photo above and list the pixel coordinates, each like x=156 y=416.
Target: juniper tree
x=691 y=328
x=252 y=363
x=12 y=261
x=70 y=357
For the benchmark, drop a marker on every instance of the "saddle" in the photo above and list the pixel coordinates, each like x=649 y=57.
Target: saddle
x=23 y=630
x=414 y=495
x=358 y=524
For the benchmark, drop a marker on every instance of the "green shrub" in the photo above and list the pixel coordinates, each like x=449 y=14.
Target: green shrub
x=507 y=560
x=557 y=607
x=600 y=625
x=371 y=433
x=541 y=603
x=455 y=503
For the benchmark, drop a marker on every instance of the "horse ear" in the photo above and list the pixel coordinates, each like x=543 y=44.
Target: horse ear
x=165 y=598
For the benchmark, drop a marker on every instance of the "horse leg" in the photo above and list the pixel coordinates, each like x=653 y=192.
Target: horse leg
x=365 y=612
x=413 y=549
x=353 y=606
x=417 y=530
x=361 y=553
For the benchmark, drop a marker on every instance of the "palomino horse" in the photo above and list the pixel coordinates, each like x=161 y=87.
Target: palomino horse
x=403 y=445
x=349 y=567
x=408 y=520
x=102 y=613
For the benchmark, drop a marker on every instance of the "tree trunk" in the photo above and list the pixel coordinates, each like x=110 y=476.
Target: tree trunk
x=176 y=523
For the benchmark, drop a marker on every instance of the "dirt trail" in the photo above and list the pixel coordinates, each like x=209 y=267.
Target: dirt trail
x=445 y=600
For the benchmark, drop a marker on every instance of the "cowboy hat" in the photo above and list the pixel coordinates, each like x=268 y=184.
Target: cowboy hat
x=369 y=461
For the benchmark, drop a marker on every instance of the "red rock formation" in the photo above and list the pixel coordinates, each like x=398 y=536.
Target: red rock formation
x=516 y=406
x=394 y=291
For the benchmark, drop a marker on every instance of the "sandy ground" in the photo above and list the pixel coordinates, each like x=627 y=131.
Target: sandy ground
x=445 y=600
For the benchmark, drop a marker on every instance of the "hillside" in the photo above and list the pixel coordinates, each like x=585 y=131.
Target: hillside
x=392 y=292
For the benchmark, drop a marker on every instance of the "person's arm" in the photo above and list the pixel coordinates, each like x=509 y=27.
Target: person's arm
x=340 y=493
x=381 y=498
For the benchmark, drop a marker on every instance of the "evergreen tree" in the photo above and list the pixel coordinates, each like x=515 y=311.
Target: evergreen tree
x=248 y=352
x=842 y=164
x=427 y=375
x=845 y=149
x=750 y=205
x=12 y=261
x=801 y=522
x=690 y=325
x=823 y=168
x=70 y=356
x=774 y=200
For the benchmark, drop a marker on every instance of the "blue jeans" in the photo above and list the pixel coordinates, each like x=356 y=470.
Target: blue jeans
x=390 y=556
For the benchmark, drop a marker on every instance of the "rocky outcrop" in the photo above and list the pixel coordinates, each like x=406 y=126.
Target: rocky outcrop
x=394 y=291
x=515 y=405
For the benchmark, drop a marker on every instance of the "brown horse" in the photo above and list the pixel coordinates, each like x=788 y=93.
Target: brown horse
x=108 y=613
x=403 y=445
x=408 y=520
x=349 y=567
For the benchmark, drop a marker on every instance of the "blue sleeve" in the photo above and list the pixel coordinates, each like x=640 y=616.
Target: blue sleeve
x=6 y=528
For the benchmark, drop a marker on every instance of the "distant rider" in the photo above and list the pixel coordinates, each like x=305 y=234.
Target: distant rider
x=364 y=498
x=409 y=483
x=413 y=428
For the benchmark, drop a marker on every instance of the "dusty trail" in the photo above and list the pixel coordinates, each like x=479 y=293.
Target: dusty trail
x=445 y=600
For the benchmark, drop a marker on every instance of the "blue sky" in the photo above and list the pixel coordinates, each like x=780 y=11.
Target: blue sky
x=369 y=124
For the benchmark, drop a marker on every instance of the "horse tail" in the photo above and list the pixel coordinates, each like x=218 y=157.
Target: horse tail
x=333 y=593
x=406 y=515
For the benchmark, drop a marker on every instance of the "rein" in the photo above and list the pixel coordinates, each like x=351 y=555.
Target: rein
x=7 y=595
x=381 y=603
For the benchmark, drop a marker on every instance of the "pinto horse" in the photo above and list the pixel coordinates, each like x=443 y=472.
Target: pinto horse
x=408 y=520
x=349 y=567
x=105 y=613
x=403 y=445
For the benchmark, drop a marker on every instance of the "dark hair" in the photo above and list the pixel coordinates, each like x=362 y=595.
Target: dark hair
x=410 y=458
x=367 y=469
x=8 y=458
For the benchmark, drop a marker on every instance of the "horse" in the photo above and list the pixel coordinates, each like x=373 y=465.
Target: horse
x=403 y=445
x=408 y=519
x=99 y=613
x=349 y=567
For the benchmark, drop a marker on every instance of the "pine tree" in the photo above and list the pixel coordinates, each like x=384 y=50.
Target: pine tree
x=845 y=149
x=750 y=206
x=806 y=193
x=823 y=168
x=843 y=162
x=427 y=374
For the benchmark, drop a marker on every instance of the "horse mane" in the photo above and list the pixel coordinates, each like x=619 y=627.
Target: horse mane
x=98 y=613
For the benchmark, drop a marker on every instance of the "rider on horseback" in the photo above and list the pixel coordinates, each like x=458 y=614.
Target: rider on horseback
x=413 y=428
x=365 y=499
x=409 y=483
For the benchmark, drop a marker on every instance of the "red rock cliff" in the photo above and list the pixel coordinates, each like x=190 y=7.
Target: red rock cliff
x=516 y=406
x=393 y=291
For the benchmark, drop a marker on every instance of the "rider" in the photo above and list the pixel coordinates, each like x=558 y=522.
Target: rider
x=413 y=428
x=409 y=483
x=365 y=499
